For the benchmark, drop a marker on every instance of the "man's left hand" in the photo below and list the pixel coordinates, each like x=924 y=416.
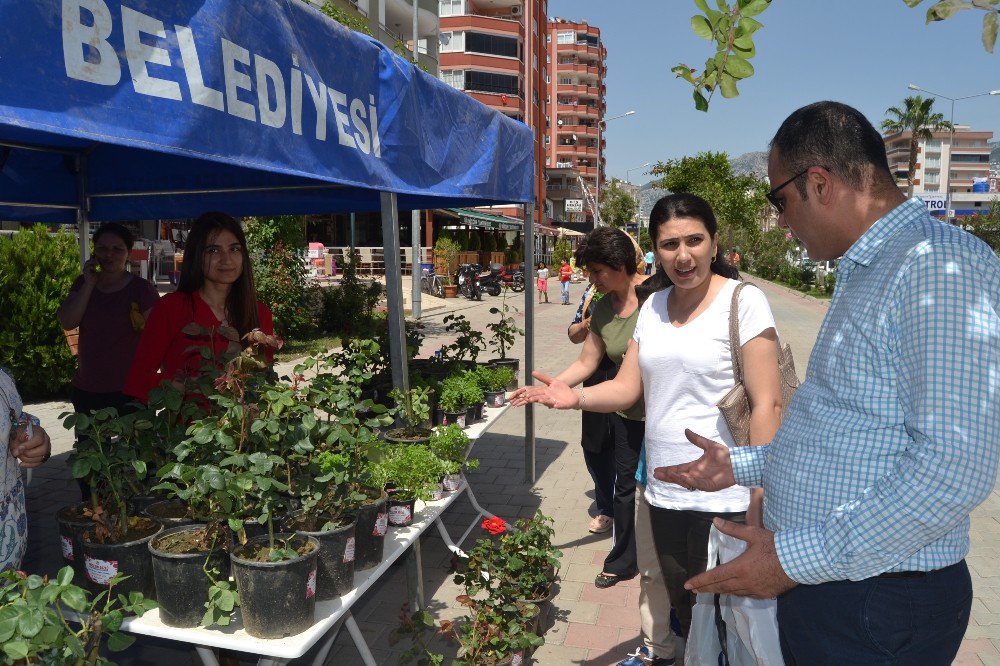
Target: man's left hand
x=756 y=573
x=32 y=451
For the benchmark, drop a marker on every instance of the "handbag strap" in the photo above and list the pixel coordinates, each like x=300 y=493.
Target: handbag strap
x=735 y=350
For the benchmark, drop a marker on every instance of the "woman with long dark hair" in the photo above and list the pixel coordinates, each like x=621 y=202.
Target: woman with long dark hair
x=679 y=362
x=216 y=293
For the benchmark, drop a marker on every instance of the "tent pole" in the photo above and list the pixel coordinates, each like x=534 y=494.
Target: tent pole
x=82 y=221
x=415 y=274
x=529 y=338
x=351 y=239
x=394 y=291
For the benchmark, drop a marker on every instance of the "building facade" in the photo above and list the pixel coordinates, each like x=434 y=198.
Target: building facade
x=575 y=143
x=963 y=167
x=495 y=51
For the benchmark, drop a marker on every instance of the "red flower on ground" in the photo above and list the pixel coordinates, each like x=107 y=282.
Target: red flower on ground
x=495 y=525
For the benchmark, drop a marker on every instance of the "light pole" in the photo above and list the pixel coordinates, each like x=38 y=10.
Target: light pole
x=951 y=139
x=600 y=155
x=627 y=180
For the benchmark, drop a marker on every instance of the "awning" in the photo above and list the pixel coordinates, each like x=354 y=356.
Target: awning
x=474 y=218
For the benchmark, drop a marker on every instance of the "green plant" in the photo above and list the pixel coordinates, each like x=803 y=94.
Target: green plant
x=446 y=252
x=618 y=208
x=32 y=344
x=275 y=246
x=471 y=392
x=414 y=470
x=349 y=309
x=532 y=559
x=412 y=407
x=505 y=329
x=562 y=250
x=450 y=443
x=451 y=399
x=494 y=378
x=35 y=629
x=468 y=340
x=490 y=242
x=915 y=117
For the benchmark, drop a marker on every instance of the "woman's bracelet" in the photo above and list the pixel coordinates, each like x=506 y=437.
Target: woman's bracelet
x=583 y=398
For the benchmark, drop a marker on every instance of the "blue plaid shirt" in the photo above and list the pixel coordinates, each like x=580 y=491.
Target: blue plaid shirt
x=892 y=440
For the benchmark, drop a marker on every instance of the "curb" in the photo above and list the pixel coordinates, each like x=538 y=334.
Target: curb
x=795 y=292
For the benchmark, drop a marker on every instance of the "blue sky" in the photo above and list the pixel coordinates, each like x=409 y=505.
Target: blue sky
x=861 y=52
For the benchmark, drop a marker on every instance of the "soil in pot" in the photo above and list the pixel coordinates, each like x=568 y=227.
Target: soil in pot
x=72 y=524
x=169 y=513
x=335 y=563
x=496 y=398
x=407 y=435
x=373 y=522
x=454 y=417
x=180 y=556
x=130 y=556
x=401 y=511
x=277 y=599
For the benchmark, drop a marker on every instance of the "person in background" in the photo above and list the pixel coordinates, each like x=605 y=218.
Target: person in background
x=24 y=444
x=215 y=305
x=542 y=281
x=565 y=273
x=649 y=262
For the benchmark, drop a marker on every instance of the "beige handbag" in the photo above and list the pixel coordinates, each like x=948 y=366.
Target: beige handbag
x=735 y=405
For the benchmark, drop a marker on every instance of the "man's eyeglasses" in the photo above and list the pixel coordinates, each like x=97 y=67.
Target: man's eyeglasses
x=779 y=204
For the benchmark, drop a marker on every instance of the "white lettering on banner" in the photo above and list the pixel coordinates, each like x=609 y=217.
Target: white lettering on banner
x=349 y=551
x=99 y=571
x=268 y=98
x=935 y=202
x=100 y=64
x=134 y=25
x=200 y=93
x=67 y=547
x=268 y=71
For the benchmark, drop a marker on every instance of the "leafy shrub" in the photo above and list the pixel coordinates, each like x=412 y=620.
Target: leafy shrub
x=349 y=310
x=562 y=250
x=32 y=344
x=280 y=274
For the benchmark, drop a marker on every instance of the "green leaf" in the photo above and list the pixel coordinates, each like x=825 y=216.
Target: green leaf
x=30 y=623
x=75 y=598
x=16 y=650
x=65 y=576
x=700 y=103
x=119 y=641
x=727 y=84
x=990 y=24
x=702 y=5
x=750 y=25
x=912 y=3
x=738 y=67
x=945 y=9
x=755 y=7
x=745 y=46
x=701 y=26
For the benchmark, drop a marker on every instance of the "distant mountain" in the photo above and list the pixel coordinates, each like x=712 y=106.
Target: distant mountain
x=648 y=196
x=754 y=164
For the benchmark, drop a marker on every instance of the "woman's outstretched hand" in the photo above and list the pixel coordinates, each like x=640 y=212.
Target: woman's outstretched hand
x=712 y=471
x=552 y=393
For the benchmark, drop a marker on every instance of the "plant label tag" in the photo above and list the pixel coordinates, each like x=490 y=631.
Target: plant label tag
x=100 y=571
x=381 y=524
x=349 y=551
x=400 y=515
x=452 y=482
x=67 y=548
x=460 y=420
x=311 y=585
x=517 y=659
x=498 y=400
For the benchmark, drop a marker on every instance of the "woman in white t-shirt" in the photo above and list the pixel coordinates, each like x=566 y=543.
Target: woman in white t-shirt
x=679 y=361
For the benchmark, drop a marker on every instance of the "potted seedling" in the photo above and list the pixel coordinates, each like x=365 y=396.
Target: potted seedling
x=450 y=444
x=446 y=252
x=503 y=333
x=414 y=472
x=373 y=510
x=494 y=381
x=451 y=403
x=472 y=397
x=469 y=341
x=413 y=410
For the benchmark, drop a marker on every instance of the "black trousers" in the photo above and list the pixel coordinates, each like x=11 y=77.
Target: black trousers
x=681 y=541
x=628 y=435
x=599 y=444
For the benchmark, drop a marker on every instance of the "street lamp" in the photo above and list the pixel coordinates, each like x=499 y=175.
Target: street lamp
x=951 y=139
x=627 y=180
x=600 y=155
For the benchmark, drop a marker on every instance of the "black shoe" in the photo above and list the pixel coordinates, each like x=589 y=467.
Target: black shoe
x=605 y=579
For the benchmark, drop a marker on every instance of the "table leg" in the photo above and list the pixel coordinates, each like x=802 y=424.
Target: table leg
x=327 y=645
x=207 y=655
x=415 y=576
x=272 y=661
x=359 y=640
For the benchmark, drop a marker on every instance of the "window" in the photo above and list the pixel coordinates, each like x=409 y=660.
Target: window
x=933 y=162
x=967 y=159
x=565 y=37
x=534 y=61
x=454 y=78
x=932 y=178
x=492 y=82
x=452 y=42
x=480 y=42
x=565 y=81
x=933 y=146
x=451 y=7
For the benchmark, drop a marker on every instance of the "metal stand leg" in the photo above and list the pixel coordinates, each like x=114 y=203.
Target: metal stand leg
x=359 y=640
x=207 y=655
x=272 y=661
x=327 y=645
x=480 y=513
x=415 y=576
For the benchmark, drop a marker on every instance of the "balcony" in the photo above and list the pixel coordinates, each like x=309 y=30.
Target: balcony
x=472 y=21
x=579 y=130
x=514 y=104
x=461 y=60
x=571 y=192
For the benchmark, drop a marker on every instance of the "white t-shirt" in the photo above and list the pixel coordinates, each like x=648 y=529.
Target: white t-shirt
x=685 y=372
x=543 y=274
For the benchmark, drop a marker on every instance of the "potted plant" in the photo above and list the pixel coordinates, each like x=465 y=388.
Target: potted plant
x=451 y=403
x=373 y=511
x=504 y=331
x=450 y=444
x=472 y=397
x=413 y=409
x=469 y=341
x=494 y=381
x=529 y=545
x=36 y=629
x=414 y=472
x=446 y=252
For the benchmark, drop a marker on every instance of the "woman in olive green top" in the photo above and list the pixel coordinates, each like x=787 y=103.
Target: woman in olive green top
x=611 y=257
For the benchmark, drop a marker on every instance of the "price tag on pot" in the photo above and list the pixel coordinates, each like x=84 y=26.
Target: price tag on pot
x=99 y=571
x=349 y=551
x=381 y=525
x=517 y=659
x=400 y=515
x=67 y=547
x=311 y=585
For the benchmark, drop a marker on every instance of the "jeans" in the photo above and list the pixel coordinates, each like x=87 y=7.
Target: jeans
x=916 y=621
x=564 y=289
x=628 y=435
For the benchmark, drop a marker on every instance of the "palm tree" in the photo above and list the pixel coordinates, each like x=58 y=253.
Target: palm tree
x=917 y=118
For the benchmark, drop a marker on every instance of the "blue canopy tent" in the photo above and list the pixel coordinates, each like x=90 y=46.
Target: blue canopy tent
x=112 y=111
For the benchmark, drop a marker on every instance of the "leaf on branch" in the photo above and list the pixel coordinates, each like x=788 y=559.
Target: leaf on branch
x=755 y=7
x=684 y=72
x=702 y=5
x=945 y=9
x=700 y=103
x=727 y=84
x=912 y=3
x=990 y=24
x=738 y=68
x=701 y=26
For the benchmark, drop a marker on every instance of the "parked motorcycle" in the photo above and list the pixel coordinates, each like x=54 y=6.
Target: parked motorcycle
x=467 y=279
x=498 y=278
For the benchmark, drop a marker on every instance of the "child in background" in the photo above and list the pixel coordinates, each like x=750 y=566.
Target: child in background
x=543 y=282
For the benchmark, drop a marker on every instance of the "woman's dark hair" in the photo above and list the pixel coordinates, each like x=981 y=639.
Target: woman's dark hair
x=671 y=207
x=609 y=246
x=115 y=229
x=241 y=304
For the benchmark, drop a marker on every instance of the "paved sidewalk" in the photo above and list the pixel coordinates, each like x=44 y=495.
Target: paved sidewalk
x=588 y=625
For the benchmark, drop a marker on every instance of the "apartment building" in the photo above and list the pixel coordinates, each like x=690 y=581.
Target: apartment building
x=962 y=167
x=575 y=144
x=495 y=51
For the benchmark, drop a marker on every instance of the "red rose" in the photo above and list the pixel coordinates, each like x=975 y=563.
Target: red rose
x=495 y=525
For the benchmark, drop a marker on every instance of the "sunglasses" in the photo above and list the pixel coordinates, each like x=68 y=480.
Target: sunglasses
x=779 y=204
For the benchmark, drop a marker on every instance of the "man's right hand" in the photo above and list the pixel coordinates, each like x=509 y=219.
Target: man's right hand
x=712 y=471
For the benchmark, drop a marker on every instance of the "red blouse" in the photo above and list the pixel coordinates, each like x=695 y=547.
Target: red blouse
x=165 y=346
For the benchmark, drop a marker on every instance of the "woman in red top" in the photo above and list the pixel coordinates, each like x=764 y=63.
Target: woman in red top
x=216 y=293
x=565 y=273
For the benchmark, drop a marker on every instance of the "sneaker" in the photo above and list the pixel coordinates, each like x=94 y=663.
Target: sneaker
x=600 y=524
x=643 y=657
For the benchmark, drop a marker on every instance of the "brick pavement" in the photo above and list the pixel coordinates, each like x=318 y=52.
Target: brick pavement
x=587 y=625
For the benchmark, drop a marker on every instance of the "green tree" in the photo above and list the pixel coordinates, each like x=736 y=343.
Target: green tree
x=738 y=201
x=986 y=226
x=276 y=246
x=561 y=250
x=618 y=207
x=914 y=116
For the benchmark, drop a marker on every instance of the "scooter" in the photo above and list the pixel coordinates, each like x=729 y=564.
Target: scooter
x=467 y=279
x=498 y=278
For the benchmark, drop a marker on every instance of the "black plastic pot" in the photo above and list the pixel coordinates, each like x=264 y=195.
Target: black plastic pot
x=277 y=599
x=72 y=525
x=514 y=364
x=335 y=564
x=496 y=398
x=169 y=513
x=401 y=512
x=369 y=537
x=454 y=417
x=137 y=505
x=101 y=561
x=181 y=583
x=393 y=435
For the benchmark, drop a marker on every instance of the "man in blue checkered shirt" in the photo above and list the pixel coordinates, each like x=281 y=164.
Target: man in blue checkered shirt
x=892 y=440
